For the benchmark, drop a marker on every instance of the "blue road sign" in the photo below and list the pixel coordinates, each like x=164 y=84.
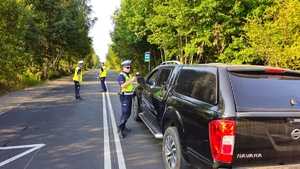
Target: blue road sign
x=147 y=57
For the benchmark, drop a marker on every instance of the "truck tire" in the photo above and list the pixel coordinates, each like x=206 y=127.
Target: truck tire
x=172 y=156
x=135 y=109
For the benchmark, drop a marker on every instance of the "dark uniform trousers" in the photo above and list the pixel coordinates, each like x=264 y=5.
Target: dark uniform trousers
x=77 y=88
x=126 y=111
x=102 y=80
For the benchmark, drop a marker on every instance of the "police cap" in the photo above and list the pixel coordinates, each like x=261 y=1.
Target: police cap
x=126 y=63
x=80 y=62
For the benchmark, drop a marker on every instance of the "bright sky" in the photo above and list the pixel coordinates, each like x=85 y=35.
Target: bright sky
x=103 y=10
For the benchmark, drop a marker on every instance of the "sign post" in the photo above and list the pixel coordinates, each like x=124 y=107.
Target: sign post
x=147 y=59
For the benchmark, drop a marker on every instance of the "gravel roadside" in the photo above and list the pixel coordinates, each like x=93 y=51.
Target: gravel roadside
x=14 y=99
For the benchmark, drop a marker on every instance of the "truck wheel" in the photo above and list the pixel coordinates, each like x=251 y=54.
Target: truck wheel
x=135 y=109
x=171 y=150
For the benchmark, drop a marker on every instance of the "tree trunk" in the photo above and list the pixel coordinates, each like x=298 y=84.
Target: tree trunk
x=161 y=55
x=191 y=59
x=69 y=63
x=57 y=59
x=46 y=68
x=199 y=53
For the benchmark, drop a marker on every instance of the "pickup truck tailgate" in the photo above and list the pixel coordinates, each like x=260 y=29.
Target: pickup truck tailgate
x=267 y=141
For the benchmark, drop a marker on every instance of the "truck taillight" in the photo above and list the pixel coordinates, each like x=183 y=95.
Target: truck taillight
x=274 y=70
x=221 y=136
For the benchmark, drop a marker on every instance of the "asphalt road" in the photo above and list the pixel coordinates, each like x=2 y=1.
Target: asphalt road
x=44 y=127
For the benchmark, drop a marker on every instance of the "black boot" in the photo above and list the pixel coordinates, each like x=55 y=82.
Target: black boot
x=127 y=129
x=121 y=134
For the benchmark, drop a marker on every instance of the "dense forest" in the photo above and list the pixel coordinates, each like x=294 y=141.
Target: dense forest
x=264 y=32
x=44 y=39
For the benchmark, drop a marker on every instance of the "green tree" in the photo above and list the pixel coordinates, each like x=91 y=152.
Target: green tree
x=274 y=36
x=127 y=44
x=13 y=27
x=59 y=31
x=42 y=39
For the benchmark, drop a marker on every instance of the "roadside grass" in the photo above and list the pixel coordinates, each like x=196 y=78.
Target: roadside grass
x=15 y=83
x=8 y=86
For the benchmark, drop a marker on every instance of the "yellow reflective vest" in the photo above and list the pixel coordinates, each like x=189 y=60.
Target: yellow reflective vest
x=130 y=87
x=103 y=73
x=75 y=78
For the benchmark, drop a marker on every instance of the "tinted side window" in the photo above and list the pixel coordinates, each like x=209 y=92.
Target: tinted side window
x=198 y=83
x=163 y=77
x=151 y=79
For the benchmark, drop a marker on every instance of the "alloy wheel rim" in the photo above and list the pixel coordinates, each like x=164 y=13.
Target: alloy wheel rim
x=170 y=152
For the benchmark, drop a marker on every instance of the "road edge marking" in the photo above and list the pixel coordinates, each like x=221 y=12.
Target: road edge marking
x=107 y=158
x=35 y=147
x=9 y=109
x=119 y=151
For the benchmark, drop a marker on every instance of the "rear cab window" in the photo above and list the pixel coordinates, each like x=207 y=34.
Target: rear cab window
x=265 y=92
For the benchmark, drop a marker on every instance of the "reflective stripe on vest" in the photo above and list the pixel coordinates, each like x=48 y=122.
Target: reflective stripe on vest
x=130 y=87
x=75 y=77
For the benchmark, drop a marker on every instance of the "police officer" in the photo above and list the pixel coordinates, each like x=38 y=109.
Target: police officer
x=77 y=79
x=126 y=91
x=102 y=75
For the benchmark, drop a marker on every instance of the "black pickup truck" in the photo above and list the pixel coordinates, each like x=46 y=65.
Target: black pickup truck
x=222 y=115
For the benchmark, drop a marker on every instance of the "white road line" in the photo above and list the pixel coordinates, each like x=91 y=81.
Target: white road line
x=35 y=147
x=5 y=111
x=31 y=158
x=107 y=160
x=119 y=151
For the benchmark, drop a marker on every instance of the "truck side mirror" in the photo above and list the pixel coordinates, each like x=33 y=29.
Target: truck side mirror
x=141 y=80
